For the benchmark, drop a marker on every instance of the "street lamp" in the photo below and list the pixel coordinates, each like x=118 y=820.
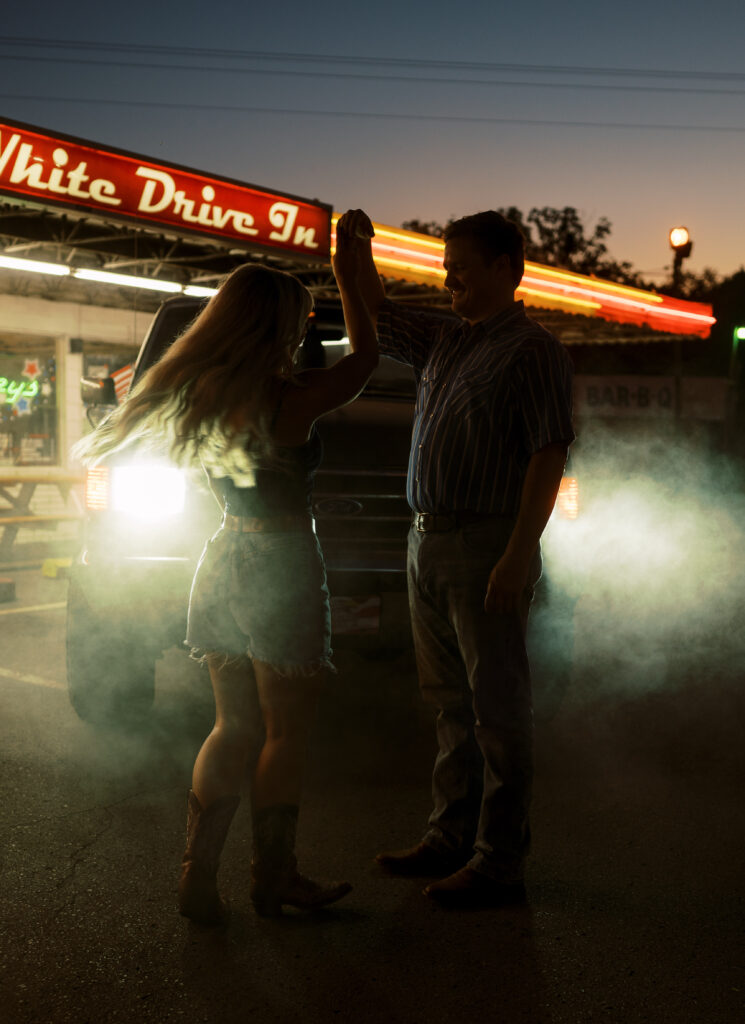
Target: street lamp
x=681 y=244
x=738 y=339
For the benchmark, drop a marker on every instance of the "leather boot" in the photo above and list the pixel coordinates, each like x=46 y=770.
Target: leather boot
x=275 y=880
x=206 y=830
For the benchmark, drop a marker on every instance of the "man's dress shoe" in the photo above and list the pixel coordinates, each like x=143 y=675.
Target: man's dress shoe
x=468 y=889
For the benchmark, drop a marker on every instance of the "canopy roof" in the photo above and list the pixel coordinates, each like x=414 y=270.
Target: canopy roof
x=82 y=207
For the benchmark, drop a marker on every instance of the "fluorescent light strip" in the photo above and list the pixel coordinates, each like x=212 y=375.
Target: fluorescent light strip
x=103 y=276
x=34 y=266
x=127 y=281
x=199 y=291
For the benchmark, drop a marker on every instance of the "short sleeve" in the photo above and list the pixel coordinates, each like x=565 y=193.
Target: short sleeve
x=545 y=397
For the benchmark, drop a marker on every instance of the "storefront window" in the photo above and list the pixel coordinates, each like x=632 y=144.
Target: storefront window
x=28 y=408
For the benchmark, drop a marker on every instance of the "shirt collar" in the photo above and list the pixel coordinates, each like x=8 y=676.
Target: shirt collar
x=494 y=323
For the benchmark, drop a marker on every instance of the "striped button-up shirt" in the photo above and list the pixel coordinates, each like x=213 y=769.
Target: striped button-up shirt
x=488 y=397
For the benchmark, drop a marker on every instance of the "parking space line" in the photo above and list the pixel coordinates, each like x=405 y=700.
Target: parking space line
x=24 y=677
x=33 y=608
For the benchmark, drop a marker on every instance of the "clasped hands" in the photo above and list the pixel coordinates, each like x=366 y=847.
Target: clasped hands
x=353 y=229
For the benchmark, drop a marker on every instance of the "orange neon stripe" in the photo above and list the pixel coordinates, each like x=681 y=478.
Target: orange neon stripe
x=556 y=297
x=611 y=300
x=567 y=275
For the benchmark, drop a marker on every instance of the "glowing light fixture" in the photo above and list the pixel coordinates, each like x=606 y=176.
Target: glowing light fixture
x=554 y=296
x=148 y=490
x=739 y=334
x=34 y=266
x=679 y=238
x=199 y=291
x=106 y=277
x=605 y=288
x=103 y=276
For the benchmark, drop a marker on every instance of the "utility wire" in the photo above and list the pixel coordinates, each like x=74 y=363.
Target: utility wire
x=460 y=118
x=264 y=55
x=211 y=69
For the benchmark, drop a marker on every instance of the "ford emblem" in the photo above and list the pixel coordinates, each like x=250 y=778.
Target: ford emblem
x=337 y=507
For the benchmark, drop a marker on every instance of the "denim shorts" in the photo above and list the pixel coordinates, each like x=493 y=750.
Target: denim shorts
x=264 y=596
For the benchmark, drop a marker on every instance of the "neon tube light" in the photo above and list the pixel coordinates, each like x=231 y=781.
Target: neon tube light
x=591 y=293
x=559 y=298
x=581 y=279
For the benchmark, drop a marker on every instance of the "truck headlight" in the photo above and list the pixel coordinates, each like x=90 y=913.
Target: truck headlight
x=148 y=490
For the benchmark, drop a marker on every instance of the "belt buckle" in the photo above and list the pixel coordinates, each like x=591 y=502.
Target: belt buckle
x=434 y=522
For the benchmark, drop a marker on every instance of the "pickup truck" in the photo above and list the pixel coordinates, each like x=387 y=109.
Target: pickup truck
x=147 y=521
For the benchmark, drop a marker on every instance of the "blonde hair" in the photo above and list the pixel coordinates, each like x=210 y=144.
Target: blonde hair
x=209 y=392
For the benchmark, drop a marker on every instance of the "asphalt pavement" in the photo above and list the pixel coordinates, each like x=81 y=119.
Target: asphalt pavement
x=635 y=882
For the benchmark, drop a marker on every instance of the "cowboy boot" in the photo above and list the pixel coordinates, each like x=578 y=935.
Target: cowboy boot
x=275 y=880
x=206 y=830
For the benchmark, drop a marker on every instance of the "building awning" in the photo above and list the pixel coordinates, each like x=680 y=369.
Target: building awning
x=89 y=212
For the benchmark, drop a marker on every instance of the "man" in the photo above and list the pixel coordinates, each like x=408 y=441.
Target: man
x=491 y=430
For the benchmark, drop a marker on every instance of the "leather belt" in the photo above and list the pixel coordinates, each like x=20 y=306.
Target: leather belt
x=441 y=522
x=270 y=524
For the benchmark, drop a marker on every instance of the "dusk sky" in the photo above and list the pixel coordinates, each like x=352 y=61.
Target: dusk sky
x=632 y=111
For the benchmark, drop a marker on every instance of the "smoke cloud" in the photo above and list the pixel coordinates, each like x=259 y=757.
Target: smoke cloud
x=653 y=565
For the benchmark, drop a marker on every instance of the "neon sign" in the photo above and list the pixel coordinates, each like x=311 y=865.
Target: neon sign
x=14 y=390
x=61 y=170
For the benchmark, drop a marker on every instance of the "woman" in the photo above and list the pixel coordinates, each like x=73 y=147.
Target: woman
x=226 y=396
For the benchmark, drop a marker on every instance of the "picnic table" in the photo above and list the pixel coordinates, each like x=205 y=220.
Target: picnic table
x=18 y=493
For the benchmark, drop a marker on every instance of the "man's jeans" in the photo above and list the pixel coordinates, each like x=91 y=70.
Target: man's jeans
x=473 y=668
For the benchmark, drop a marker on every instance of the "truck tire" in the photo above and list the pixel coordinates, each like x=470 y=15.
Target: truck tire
x=110 y=670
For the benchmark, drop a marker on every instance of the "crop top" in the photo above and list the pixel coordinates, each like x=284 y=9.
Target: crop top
x=281 y=487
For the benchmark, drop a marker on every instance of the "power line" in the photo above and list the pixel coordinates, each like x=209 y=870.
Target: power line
x=264 y=55
x=357 y=76
x=299 y=112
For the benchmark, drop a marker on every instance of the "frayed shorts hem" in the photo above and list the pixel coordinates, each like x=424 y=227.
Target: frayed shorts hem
x=290 y=670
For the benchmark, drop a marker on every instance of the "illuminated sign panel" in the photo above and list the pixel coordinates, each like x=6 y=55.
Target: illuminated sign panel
x=14 y=390
x=63 y=171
